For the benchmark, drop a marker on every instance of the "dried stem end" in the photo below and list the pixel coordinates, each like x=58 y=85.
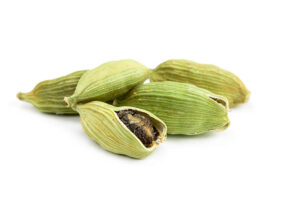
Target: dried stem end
x=70 y=102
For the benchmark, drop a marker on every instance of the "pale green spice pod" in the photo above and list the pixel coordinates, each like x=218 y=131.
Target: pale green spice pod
x=48 y=96
x=100 y=122
x=210 y=77
x=108 y=81
x=185 y=108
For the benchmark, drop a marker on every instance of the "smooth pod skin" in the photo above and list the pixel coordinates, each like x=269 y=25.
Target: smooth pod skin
x=48 y=96
x=108 y=81
x=209 y=77
x=101 y=123
x=185 y=108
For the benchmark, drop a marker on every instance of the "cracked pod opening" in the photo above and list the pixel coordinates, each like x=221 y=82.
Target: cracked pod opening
x=220 y=101
x=140 y=125
x=223 y=101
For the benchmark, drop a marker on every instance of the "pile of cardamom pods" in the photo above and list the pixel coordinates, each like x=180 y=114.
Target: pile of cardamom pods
x=126 y=116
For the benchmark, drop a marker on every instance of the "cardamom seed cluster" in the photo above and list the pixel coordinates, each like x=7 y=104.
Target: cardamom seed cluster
x=126 y=116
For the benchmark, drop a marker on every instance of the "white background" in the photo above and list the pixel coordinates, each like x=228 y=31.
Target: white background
x=50 y=157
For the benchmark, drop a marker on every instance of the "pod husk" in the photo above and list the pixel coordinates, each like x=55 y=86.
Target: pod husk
x=209 y=77
x=108 y=81
x=185 y=108
x=48 y=96
x=101 y=123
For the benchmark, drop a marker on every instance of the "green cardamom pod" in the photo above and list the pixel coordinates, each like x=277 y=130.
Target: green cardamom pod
x=206 y=76
x=122 y=130
x=48 y=96
x=185 y=108
x=108 y=81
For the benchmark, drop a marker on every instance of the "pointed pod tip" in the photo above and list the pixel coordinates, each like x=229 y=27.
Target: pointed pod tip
x=29 y=96
x=226 y=125
x=20 y=96
x=247 y=96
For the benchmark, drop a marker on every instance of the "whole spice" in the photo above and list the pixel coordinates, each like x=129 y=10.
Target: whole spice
x=185 y=108
x=206 y=76
x=48 y=96
x=122 y=130
x=108 y=81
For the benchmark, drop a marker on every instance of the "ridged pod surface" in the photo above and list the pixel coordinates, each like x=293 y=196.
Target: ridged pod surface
x=48 y=96
x=108 y=81
x=206 y=76
x=101 y=123
x=185 y=108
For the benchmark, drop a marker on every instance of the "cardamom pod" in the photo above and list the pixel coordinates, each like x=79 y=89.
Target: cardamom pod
x=48 y=96
x=206 y=76
x=122 y=130
x=108 y=81
x=185 y=108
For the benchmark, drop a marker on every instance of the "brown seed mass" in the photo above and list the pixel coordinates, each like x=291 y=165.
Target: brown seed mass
x=140 y=125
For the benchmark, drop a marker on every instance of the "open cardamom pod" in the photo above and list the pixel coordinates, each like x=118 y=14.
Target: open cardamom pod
x=48 y=96
x=210 y=77
x=122 y=130
x=108 y=81
x=185 y=108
